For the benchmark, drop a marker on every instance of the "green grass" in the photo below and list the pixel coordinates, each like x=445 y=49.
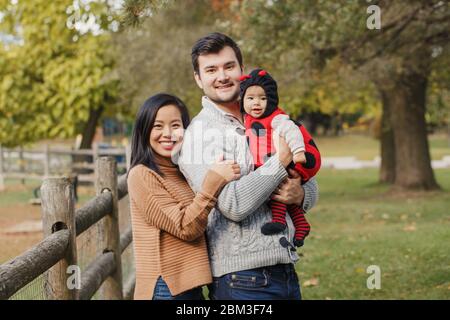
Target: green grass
x=18 y=193
x=358 y=223
x=364 y=147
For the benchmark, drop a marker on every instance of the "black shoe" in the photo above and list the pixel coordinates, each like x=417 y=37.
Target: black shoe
x=299 y=243
x=272 y=228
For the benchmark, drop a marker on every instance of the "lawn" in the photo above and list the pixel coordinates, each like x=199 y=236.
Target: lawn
x=364 y=147
x=358 y=223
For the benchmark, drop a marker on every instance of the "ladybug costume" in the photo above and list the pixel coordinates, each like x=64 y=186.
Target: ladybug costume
x=259 y=136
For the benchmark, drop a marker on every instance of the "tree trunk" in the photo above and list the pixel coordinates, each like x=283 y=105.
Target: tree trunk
x=88 y=135
x=387 y=170
x=406 y=101
x=89 y=129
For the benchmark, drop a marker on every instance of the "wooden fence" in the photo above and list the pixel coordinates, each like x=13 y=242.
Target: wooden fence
x=22 y=156
x=56 y=255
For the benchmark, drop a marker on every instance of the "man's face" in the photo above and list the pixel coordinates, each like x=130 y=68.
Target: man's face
x=219 y=75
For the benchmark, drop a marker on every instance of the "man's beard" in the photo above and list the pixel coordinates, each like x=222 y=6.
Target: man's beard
x=232 y=99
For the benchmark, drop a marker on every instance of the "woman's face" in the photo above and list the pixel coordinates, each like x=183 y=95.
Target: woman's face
x=167 y=132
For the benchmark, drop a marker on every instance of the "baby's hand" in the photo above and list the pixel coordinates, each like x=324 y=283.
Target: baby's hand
x=299 y=157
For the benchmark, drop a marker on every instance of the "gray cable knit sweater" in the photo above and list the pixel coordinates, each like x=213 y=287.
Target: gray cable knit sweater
x=235 y=241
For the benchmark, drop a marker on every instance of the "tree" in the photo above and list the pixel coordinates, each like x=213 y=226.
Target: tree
x=155 y=57
x=397 y=59
x=56 y=74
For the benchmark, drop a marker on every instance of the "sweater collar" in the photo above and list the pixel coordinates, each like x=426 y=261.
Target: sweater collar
x=216 y=111
x=164 y=163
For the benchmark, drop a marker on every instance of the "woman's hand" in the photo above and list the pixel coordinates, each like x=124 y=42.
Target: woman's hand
x=283 y=151
x=222 y=172
x=228 y=169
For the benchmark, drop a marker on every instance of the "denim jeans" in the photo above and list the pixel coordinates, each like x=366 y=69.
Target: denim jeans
x=279 y=282
x=162 y=293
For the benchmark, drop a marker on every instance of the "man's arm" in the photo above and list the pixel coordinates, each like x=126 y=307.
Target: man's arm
x=239 y=198
x=291 y=191
x=311 y=191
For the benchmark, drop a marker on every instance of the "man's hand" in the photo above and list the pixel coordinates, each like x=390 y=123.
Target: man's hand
x=290 y=190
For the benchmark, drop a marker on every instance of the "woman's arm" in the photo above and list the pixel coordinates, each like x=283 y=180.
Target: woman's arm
x=160 y=209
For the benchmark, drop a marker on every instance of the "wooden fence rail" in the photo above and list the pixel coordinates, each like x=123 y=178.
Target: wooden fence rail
x=44 y=155
x=53 y=256
x=23 y=269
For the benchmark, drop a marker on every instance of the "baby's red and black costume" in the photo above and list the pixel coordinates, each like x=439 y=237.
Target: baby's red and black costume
x=259 y=136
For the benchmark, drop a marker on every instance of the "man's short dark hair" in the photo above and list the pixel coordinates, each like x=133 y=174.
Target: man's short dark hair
x=213 y=43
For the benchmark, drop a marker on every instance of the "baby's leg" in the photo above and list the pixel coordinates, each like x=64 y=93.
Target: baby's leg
x=302 y=226
x=278 y=222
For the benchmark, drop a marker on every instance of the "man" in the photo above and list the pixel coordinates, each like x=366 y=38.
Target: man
x=245 y=263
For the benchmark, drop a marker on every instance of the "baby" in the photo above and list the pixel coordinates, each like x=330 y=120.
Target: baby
x=263 y=117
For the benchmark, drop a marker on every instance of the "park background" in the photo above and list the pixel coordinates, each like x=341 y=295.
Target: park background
x=74 y=72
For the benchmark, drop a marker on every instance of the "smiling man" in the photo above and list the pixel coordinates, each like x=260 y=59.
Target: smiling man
x=245 y=263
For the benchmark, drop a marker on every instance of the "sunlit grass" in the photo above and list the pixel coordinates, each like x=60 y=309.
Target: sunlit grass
x=358 y=223
x=364 y=147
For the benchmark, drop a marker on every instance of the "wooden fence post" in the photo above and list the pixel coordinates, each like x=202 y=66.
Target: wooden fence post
x=128 y=156
x=21 y=163
x=46 y=161
x=106 y=180
x=58 y=213
x=95 y=152
x=2 y=178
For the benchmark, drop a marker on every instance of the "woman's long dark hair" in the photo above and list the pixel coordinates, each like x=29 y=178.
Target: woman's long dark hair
x=141 y=151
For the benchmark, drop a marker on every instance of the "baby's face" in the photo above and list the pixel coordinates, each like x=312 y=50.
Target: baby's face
x=255 y=101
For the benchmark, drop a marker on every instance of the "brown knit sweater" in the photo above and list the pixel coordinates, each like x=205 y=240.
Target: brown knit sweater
x=169 y=222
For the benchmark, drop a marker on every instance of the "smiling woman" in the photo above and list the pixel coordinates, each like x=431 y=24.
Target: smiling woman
x=168 y=219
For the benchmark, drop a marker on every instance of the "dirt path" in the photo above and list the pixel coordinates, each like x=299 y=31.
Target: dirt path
x=18 y=229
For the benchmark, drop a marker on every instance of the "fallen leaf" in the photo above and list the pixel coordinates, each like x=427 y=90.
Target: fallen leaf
x=410 y=227
x=311 y=282
x=360 y=270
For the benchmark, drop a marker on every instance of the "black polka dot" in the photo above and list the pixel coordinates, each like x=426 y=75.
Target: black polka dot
x=258 y=129
x=291 y=165
x=310 y=161
x=311 y=142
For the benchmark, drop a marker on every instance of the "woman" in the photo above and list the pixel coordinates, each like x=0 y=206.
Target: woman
x=168 y=219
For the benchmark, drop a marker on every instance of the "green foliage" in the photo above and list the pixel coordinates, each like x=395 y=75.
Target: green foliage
x=135 y=11
x=54 y=74
x=156 y=56
x=326 y=58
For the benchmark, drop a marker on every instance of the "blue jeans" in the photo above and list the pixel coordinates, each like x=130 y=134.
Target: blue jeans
x=162 y=292
x=279 y=282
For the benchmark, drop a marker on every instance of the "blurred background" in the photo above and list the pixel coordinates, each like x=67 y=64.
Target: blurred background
x=369 y=79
